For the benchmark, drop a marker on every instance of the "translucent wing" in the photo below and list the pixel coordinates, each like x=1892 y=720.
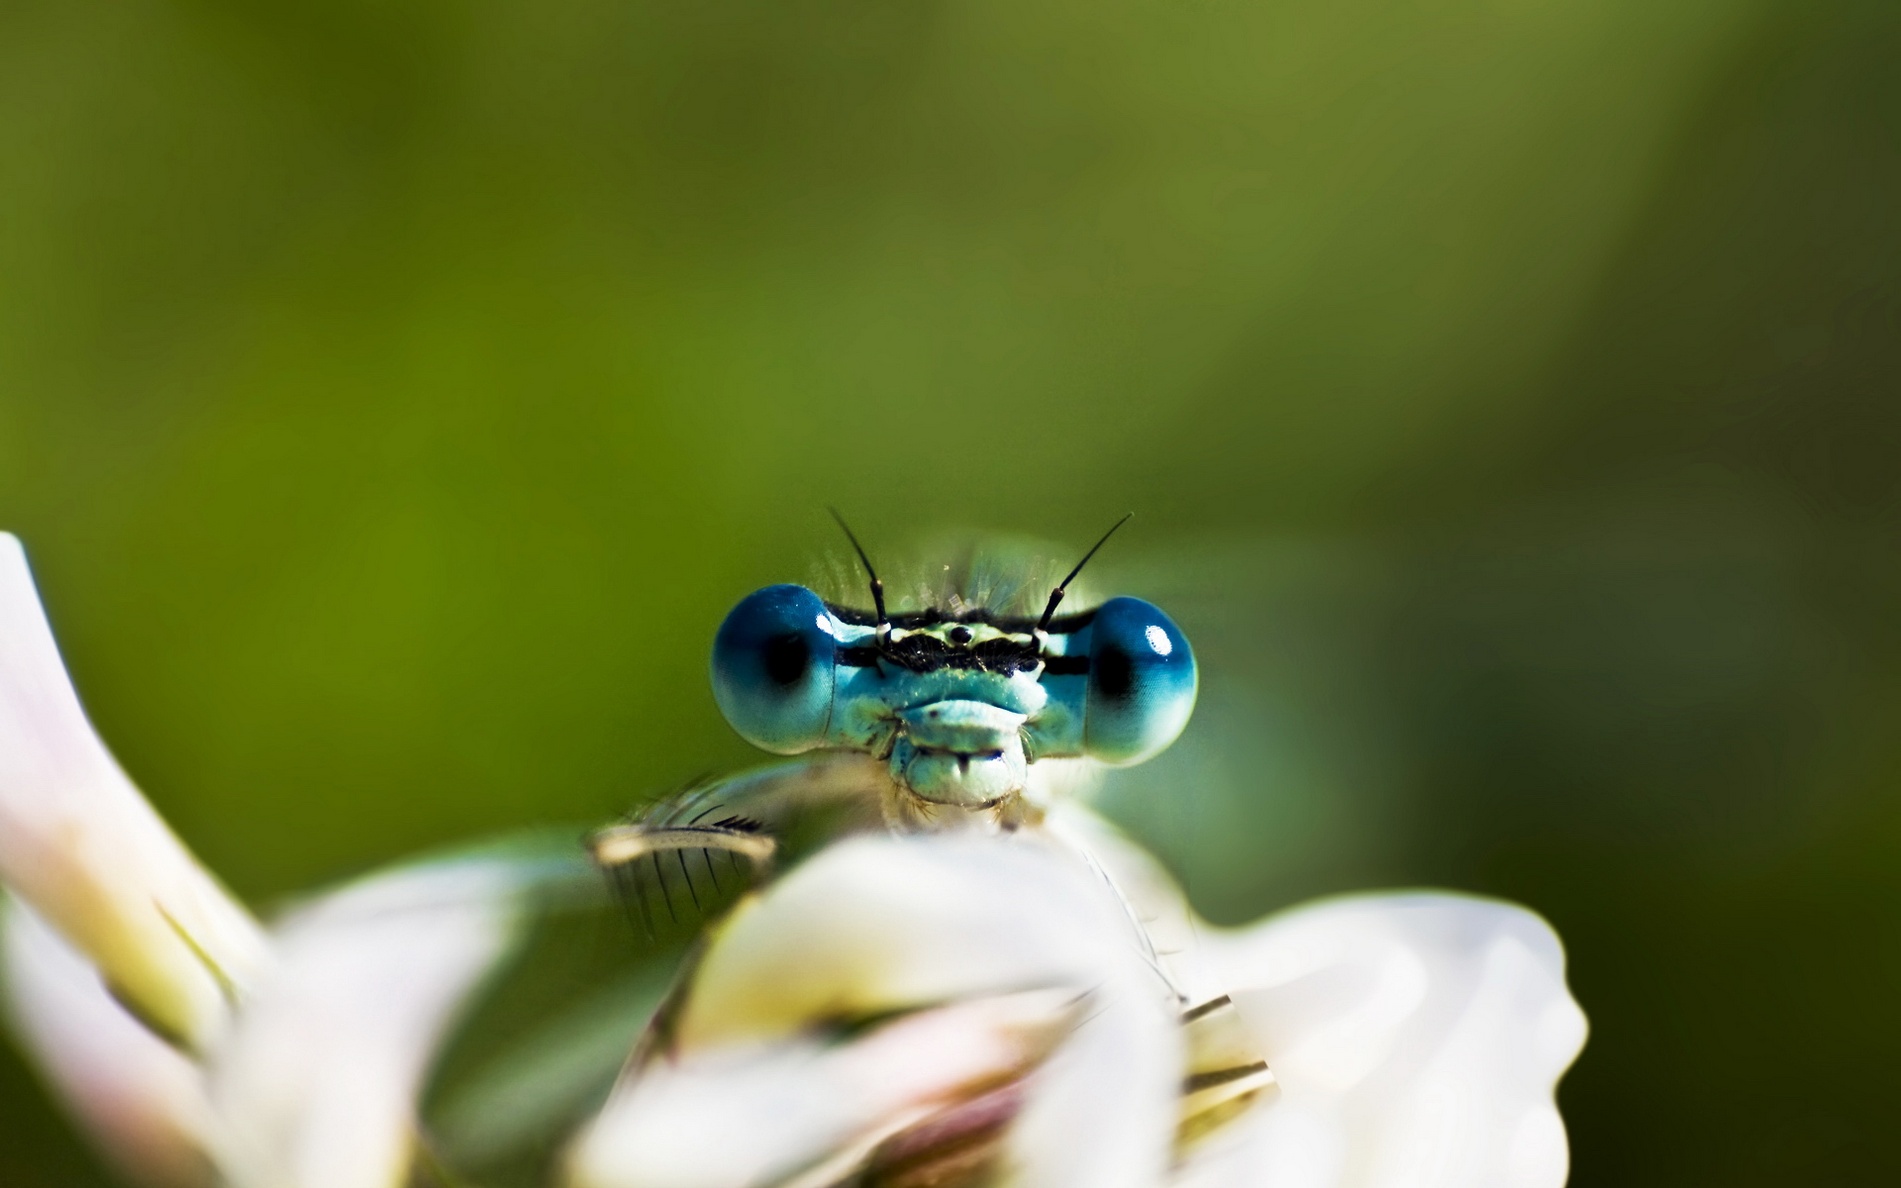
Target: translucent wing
x=695 y=847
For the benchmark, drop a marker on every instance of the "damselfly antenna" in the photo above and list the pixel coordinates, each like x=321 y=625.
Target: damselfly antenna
x=877 y=587
x=1062 y=587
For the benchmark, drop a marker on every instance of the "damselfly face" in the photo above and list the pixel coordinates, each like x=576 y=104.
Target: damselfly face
x=959 y=704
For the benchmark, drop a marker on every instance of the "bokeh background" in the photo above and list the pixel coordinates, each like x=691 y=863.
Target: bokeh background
x=393 y=398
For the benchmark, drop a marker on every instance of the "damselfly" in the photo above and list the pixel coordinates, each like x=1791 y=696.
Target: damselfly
x=965 y=714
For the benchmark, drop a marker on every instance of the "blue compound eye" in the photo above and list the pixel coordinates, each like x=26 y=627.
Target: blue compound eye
x=1141 y=682
x=773 y=669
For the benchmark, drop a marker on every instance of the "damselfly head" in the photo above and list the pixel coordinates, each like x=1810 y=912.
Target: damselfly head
x=959 y=701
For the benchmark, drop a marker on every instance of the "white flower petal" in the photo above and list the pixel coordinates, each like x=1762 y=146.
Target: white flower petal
x=1417 y=1038
x=142 y=1100
x=80 y=843
x=756 y=1113
x=876 y=925
x=316 y=1084
x=1101 y=1113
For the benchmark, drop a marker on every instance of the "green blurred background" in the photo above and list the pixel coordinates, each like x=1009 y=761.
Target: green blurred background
x=393 y=398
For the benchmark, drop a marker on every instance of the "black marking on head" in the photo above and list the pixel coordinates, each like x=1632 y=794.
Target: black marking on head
x=927 y=653
x=922 y=650
x=927 y=620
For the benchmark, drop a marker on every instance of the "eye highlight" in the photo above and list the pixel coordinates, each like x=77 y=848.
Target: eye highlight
x=774 y=669
x=1142 y=682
